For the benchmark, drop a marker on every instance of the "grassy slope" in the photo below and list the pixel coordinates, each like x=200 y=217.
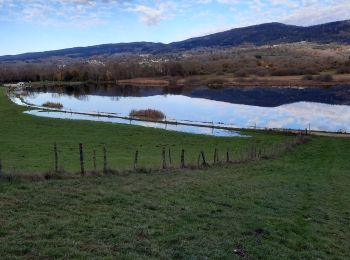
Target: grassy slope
x=26 y=142
x=294 y=207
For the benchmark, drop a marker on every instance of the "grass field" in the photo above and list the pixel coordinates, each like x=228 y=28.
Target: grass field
x=295 y=206
x=26 y=142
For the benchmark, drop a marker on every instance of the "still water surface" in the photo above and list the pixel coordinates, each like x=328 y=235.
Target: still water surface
x=322 y=109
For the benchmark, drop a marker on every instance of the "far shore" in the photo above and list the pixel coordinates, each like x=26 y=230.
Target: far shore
x=213 y=81
x=226 y=81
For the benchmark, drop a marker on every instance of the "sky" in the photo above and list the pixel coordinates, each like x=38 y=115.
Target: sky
x=40 y=25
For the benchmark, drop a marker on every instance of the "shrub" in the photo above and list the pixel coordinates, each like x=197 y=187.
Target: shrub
x=216 y=81
x=148 y=114
x=343 y=70
x=325 y=78
x=308 y=77
x=241 y=73
x=53 y=105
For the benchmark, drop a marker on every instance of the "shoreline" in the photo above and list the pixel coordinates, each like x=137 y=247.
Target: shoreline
x=212 y=81
x=183 y=122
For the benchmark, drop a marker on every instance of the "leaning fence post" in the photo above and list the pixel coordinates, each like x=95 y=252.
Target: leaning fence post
x=81 y=152
x=136 y=159
x=183 y=158
x=104 y=159
x=94 y=159
x=164 y=158
x=55 y=156
x=203 y=159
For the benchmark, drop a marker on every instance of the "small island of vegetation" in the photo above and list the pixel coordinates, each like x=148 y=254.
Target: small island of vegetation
x=53 y=105
x=151 y=114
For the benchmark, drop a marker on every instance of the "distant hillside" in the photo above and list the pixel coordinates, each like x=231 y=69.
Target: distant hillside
x=86 y=52
x=270 y=33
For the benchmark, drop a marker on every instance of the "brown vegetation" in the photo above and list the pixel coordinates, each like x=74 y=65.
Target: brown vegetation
x=325 y=78
x=53 y=105
x=144 y=82
x=241 y=64
x=148 y=114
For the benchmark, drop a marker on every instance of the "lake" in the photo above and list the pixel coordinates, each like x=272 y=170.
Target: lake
x=320 y=109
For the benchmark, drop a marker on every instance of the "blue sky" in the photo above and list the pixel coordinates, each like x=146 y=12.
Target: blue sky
x=38 y=25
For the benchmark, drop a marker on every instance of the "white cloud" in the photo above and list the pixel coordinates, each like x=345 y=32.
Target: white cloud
x=151 y=15
x=314 y=12
x=152 y=12
x=74 y=13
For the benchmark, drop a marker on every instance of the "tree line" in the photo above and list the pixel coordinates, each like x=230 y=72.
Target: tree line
x=238 y=63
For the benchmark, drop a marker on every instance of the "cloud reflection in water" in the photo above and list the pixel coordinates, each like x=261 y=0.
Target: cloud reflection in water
x=322 y=117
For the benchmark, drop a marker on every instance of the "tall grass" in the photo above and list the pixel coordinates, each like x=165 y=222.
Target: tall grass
x=148 y=114
x=53 y=105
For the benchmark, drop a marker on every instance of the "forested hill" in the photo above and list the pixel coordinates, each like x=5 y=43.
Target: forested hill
x=272 y=33
x=264 y=34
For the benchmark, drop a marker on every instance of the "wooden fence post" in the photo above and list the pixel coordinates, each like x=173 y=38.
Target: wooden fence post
x=215 y=155
x=55 y=157
x=164 y=158
x=183 y=158
x=254 y=152
x=94 y=159
x=0 y=166
x=104 y=159
x=170 y=159
x=203 y=159
x=136 y=159
x=81 y=152
x=227 y=156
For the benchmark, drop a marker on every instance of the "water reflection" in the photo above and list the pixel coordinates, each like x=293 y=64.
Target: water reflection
x=170 y=127
x=255 y=96
x=332 y=113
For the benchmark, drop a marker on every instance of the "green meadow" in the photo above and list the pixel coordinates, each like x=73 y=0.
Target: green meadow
x=292 y=206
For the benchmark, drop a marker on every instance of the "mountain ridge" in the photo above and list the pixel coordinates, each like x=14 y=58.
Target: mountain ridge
x=258 y=35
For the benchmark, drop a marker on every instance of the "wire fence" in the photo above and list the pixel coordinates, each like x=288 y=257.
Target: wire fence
x=97 y=161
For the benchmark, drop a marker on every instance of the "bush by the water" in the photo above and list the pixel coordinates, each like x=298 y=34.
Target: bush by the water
x=308 y=77
x=53 y=105
x=148 y=113
x=325 y=78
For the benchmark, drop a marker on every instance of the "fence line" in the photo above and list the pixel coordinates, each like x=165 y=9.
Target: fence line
x=248 y=154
